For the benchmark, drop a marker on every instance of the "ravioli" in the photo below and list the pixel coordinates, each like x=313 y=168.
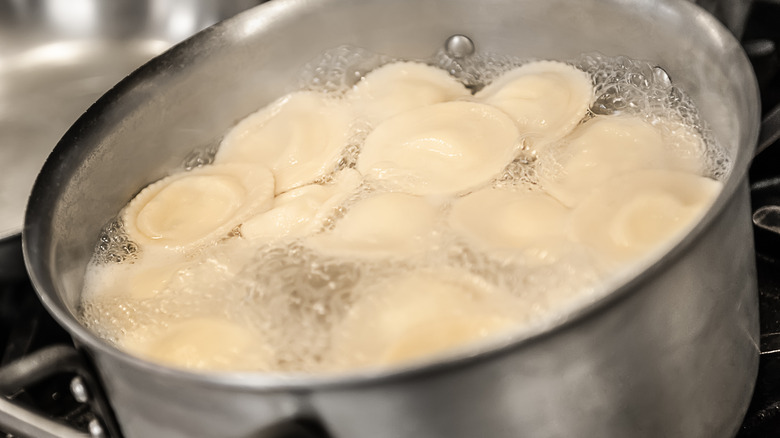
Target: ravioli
x=546 y=99
x=633 y=214
x=302 y=210
x=205 y=343
x=402 y=86
x=516 y=219
x=421 y=314
x=600 y=149
x=385 y=224
x=300 y=137
x=195 y=208
x=440 y=149
x=401 y=219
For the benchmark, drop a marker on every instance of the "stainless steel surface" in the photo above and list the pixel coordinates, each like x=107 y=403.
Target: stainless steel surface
x=57 y=57
x=23 y=423
x=459 y=46
x=733 y=13
x=78 y=390
x=670 y=352
x=95 y=429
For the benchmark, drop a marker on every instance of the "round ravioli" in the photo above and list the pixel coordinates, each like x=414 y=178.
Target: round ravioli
x=205 y=343
x=385 y=224
x=300 y=137
x=402 y=86
x=599 y=150
x=515 y=219
x=420 y=314
x=197 y=207
x=547 y=99
x=633 y=214
x=302 y=210
x=440 y=149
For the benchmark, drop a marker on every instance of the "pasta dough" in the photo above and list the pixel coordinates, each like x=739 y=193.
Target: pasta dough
x=546 y=99
x=402 y=86
x=300 y=137
x=201 y=343
x=301 y=211
x=635 y=213
x=440 y=149
x=385 y=224
x=516 y=219
x=195 y=208
x=602 y=148
x=419 y=314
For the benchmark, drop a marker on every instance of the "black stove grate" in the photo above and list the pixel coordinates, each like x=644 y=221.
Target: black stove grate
x=25 y=326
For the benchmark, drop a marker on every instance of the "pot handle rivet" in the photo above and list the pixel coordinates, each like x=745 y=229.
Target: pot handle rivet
x=79 y=390
x=459 y=46
x=660 y=76
x=96 y=429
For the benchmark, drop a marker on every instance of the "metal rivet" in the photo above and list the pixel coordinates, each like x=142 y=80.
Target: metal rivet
x=459 y=46
x=96 y=429
x=661 y=77
x=79 y=390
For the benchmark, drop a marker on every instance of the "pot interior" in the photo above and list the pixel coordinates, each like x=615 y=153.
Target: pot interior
x=186 y=99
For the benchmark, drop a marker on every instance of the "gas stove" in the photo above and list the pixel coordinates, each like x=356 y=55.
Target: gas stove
x=26 y=327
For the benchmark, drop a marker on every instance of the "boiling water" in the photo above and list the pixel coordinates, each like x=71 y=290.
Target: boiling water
x=291 y=297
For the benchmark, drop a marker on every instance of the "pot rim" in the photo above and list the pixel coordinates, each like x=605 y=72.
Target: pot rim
x=607 y=295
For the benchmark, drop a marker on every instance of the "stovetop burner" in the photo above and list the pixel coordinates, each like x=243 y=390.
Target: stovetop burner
x=25 y=326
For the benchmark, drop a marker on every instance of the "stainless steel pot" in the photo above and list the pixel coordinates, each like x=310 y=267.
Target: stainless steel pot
x=671 y=351
x=732 y=13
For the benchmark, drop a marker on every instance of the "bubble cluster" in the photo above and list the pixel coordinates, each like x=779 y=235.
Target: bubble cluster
x=336 y=70
x=200 y=157
x=114 y=246
x=626 y=86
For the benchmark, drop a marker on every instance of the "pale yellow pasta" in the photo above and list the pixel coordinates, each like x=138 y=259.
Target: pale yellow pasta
x=633 y=214
x=546 y=99
x=421 y=314
x=385 y=224
x=195 y=208
x=601 y=149
x=300 y=137
x=402 y=86
x=440 y=149
x=205 y=343
x=516 y=219
x=302 y=210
